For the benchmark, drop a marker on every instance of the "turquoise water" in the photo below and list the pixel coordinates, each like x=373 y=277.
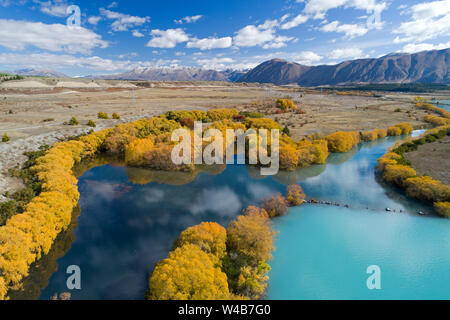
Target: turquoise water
x=323 y=252
x=129 y=219
x=444 y=104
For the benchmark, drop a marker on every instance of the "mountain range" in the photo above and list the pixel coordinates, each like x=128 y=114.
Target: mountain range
x=39 y=73
x=175 y=74
x=423 y=67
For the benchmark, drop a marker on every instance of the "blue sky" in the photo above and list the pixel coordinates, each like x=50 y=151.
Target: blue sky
x=115 y=36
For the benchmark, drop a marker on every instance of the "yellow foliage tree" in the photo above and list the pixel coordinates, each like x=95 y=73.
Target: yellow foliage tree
x=188 y=274
x=286 y=105
x=221 y=114
x=255 y=211
x=397 y=174
x=252 y=237
x=295 y=195
x=405 y=127
x=394 y=131
x=208 y=236
x=427 y=189
x=342 y=141
x=443 y=208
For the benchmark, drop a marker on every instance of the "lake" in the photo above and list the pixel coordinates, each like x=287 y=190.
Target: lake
x=129 y=218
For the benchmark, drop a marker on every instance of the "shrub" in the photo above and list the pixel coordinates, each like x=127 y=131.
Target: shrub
x=382 y=133
x=443 y=208
x=92 y=124
x=437 y=121
x=196 y=115
x=276 y=206
x=188 y=123
x=264 y=123
x=427 y=189
x=221 y=114
x=286 y=105
x=6 y=138
x=342 y=141
x=250 y=114
x=397 y=174
x=73 y=122
x=369 y=136
x=405 y=127
x=394 y=131
x=115 y=116
x=188 y=274
x=295 y=195
x=102 y=115
x=7 y=210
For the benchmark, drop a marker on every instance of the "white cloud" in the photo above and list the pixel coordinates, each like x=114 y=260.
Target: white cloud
x=188 y=19
x=307 y=58
x=137 y=34
x=350 y=30
x=122 y=22
x=94 y=20
x=278 y=42
x=418 y=47
x=210 y=43
x=18 y=35
x=347 y=53
x=251 y=35
x=54 y=61
x=61 y=61
x=113 y=5
x=319 y=8
x=429 y=20
x=56 y=8
x=215 y=63
x=262 y=35
x=167 y=38
x=298 y=20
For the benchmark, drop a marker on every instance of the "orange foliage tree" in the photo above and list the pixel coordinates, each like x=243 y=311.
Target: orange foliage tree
x=276 y=206
x=295 y=195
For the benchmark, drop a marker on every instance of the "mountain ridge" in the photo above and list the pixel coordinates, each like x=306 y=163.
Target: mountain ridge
x=422 y=67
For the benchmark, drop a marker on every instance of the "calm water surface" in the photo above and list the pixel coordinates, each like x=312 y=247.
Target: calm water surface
x=129 y=219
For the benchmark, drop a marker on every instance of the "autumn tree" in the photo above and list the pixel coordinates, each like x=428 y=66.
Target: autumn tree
x=251 y=236
x=394 y=131
x=397 y=174
x=209 y=237
x=276 y=206
x=188 y=274
x=427 y=189
x=342 y=141
x=443 y=208
x=295 y=195
x=255 y=211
